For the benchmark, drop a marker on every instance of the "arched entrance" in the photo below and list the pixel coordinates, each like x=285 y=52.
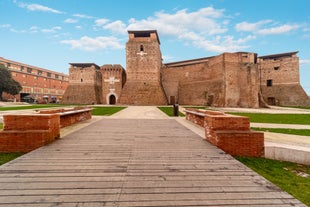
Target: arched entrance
x=112 y=99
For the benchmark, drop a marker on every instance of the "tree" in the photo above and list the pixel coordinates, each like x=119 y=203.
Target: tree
x=7 y=83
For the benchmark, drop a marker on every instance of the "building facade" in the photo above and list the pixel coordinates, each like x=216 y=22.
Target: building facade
x=90 y=84
x=38 y=84
x=280 y=80
x=240 y=79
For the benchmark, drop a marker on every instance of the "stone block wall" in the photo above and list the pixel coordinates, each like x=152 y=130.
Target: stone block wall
x=230 y=133
x=24 y=133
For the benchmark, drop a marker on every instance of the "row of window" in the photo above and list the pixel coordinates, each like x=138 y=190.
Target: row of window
x=39 y=72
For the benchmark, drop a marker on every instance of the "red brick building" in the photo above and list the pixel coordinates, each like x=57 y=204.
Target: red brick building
x=39 y=85
x=239 y=79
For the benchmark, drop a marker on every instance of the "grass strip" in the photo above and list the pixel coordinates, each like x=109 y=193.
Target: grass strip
x=302 y=132
x=106 y=111
x=290 y=177
x=6 y=157
x=277 y=118
x=35 y=106
x=169 y=110
x=1 y=125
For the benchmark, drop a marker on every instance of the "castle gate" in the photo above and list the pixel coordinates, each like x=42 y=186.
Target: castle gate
x=112 y=100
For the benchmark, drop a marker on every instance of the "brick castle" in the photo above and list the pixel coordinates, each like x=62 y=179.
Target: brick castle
x=240 y=79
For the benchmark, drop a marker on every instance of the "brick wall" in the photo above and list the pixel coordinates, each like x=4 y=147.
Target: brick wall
x=69 y=119
x=85 y=85
x=215 y=81
x=282 y=72
x=70 y=116
x=113 y=80
x=24 y=133
x=36 y=81
x=143 y=69
x=241 y=143
x=230 y=133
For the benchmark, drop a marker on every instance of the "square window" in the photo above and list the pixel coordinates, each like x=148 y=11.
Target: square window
x=269 y=82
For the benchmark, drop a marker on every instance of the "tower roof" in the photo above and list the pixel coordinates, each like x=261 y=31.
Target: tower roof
x=84 y=65
x=278 y=55
x=144 y=33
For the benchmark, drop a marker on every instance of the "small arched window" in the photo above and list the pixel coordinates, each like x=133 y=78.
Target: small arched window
x=141 y=48
x=81 y=79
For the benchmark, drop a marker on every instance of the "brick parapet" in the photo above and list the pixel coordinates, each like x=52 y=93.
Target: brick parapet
x=26 y=132
x=23 y=133
x=228 y=132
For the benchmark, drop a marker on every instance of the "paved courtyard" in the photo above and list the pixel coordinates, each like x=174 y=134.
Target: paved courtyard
x=146 y=160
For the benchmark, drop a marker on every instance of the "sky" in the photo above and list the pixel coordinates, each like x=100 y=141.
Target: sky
x=51 y=34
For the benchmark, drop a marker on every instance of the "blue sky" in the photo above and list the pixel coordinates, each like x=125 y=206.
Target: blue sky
x=51 y=34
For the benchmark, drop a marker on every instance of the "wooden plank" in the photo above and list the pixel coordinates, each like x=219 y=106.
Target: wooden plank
x=134 y=163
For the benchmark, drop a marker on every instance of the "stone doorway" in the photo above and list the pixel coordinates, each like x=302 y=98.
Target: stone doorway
x=271 y=101
x=112 y=100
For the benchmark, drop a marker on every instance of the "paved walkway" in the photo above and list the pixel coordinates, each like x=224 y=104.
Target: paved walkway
x=134 y=162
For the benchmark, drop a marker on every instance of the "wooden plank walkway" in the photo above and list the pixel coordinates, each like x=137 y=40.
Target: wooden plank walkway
x=134 y=162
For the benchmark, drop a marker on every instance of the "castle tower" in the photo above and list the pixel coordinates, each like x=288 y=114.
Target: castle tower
x=84 y=84
x=143 y=68
x=113 y=80
x=279 y=80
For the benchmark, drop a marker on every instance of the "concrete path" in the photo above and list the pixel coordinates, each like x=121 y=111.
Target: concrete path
x=134 y=162
x=140 y=112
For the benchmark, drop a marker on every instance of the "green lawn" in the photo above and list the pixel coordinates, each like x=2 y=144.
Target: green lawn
x=34 y=106
x=303 y=132
x=290 y=177
x=106 y=111
x=6 y=157
x=277 y=118
x=169 y=110
x=1 y=125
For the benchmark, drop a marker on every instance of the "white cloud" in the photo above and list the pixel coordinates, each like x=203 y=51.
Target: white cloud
x=70 y=21
x=83 y=16
x=51 y=30
x=261 y=27
x=251 y=27
x=5 y=26
x=33 y=29
x=304 y=62
x=278 y=30
x=204 y=21
x=116 y=27
x=218 y=44
x=93 y=44
x=203 y=28
x=78 y=27
x=100 y=22
x=38 y=7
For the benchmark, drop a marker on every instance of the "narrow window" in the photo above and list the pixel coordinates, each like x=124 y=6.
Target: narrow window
x=269 y=82
x=81 y=79
x=141 y=48
x=276 y=68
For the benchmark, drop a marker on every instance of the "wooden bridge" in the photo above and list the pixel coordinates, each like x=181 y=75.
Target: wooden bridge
x=134 y=162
